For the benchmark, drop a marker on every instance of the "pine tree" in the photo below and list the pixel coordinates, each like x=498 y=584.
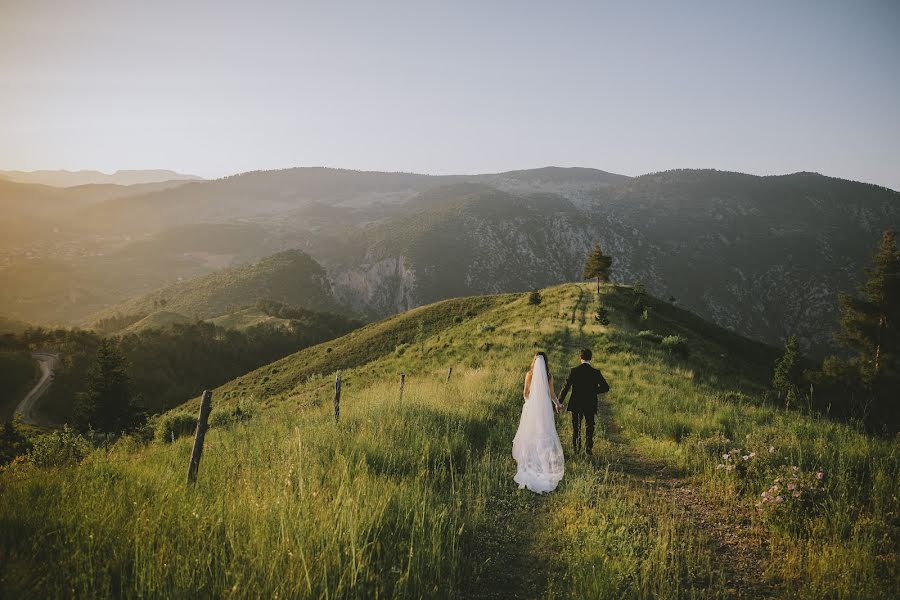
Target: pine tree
x=788 y=373
x=870 y=323
x=106 y=405
x=597 y=265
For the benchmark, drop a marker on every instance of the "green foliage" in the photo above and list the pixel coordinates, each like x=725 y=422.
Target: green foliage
x=116 y=323
x=13 y=442
x=597 y=266
x=788 y=373
x=107 y=403
x=676 y=344
x=165 y=366
x=534 y=298
x=173 y=425
x=291 y=277
x=433 y=473
x=870 y=324
x=869 y=328
x=650 y=336
x=229 y=416
x=59 y=448
x=18 y=373
x=601 y=317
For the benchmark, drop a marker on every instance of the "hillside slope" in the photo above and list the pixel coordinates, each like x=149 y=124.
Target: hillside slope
x=291 y=277
x=721 y=243
x=413 y=497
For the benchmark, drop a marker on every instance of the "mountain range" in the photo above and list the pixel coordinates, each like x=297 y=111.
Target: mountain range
x=61 y=178
x=762 y=255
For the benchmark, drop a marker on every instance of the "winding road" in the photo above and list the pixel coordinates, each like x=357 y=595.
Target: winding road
x=25 y=409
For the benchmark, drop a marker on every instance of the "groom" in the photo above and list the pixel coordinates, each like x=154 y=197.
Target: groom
x=586 y=384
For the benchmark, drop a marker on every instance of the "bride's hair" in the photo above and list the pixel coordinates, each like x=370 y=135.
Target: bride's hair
x=546 y=362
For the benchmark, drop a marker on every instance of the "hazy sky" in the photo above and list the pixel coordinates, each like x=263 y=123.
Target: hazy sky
x=214 y=88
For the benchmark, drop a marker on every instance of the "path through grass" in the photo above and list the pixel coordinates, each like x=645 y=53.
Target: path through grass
x=416 y=499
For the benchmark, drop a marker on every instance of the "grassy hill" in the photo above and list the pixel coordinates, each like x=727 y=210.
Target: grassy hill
x=162 y=318
x=291 y=277
x=414 y=498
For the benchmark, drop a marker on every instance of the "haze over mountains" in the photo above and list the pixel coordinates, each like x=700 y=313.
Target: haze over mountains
x=764 y=256
x=59 y=178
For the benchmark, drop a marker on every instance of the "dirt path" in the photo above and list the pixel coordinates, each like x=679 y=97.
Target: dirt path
x=25 y=409
x=742 y=552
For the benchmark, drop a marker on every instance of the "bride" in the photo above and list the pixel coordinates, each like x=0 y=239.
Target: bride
x=536 y=446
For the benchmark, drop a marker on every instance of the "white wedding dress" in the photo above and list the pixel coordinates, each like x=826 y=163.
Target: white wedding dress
x=536 y=446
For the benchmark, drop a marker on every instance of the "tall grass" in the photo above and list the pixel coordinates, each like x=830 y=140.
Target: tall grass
x=415 y=499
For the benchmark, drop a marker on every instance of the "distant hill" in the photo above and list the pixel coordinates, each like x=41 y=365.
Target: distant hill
x=157 y=320
x=72 y=178
x=763 y=256
x=292 y=277
x=462 y=239
x=12 y=325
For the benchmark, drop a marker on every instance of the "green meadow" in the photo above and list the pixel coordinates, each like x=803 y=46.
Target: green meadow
x=414 y=498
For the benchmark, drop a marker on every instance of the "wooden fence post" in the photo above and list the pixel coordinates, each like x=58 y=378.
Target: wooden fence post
x=200 y=435
x=337 y=397
x=402 y=383
x=449 y=373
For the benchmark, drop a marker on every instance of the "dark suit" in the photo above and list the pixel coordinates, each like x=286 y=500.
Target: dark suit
x=586 y=383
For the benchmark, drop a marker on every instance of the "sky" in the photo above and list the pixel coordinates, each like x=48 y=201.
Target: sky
x=215 y=88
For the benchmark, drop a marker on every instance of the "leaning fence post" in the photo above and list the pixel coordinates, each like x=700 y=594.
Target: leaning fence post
x=449 y=373
x=337 y=397
x=199 y=435
x=402 y=383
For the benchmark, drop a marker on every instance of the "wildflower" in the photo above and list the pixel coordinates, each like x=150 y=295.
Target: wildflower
x=720 y=466
x=791 y=486
x=820 y=475
x=771 y=449
x=794 y=469
x=724 y=457
x=752 y=454
x=746 y=457
x=729 y=468
x=765 y=494
x=796 y=494
x=779 y=499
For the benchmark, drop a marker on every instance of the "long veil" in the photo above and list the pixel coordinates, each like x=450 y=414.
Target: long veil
x=536 y=446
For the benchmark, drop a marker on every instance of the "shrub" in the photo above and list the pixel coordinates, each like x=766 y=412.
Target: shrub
x=172 y=426
x=676 y=345
x=487 y=328
x=400 y=350
x=650 y=336
x=645 y=314
x=534 y=298
x=225 y=418
x=12 y=443
x=61 y=448
x=602 y=316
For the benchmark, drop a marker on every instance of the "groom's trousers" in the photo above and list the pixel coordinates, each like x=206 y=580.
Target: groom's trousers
x=577 y=417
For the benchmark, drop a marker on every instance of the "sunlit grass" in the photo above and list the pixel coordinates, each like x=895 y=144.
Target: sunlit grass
x=415 y=498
